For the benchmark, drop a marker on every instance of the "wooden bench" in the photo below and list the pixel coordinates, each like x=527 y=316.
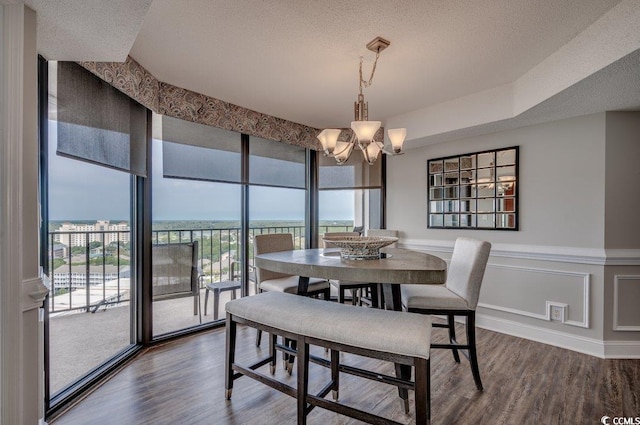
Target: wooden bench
x=394 y=336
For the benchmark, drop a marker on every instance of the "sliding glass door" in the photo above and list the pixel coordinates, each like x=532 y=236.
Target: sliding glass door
x=90 y=315
x=196 y=206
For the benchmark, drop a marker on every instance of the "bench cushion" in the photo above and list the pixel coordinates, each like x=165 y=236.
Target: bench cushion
x=394 y=332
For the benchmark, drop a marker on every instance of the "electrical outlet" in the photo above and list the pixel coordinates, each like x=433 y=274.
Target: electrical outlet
x=556 y=311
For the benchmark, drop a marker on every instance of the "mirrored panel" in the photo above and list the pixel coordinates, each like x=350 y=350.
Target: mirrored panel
x=451 y=178
x=436 y=220
x=467 y=220
x=474 y=191
x=452 y=164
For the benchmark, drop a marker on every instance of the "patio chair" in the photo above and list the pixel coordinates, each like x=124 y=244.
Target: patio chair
x=457 y=297
x=268 y=280
x=342 y=285
x=175 y=273
x=233 y=284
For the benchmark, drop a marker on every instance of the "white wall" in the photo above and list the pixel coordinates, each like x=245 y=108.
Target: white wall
x=21 y=289
x=558 y=255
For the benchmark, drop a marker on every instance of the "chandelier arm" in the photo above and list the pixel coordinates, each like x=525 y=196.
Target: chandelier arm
x=350 y=146
x=334 y=154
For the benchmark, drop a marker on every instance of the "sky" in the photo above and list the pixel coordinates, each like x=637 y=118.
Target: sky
x=83 y=191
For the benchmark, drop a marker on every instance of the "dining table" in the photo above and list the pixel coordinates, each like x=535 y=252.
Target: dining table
x=395 y=266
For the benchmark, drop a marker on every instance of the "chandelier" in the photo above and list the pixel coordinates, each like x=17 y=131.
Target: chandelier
x=363 y=130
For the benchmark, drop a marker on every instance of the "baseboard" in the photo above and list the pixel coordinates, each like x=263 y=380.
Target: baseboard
x=590 y=346
x=622 y=349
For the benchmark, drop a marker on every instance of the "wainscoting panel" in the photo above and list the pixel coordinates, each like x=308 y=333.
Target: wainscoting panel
x=544 y=294
x=626 y=293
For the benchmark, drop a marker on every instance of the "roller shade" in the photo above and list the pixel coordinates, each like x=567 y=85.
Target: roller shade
x=276 y=164
x=199 y=152
x=96 y=122
x=354 y=174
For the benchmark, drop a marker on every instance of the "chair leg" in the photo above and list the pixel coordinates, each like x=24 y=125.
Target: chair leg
x=272 y=353
x=206 y=300
x=258 y=337
x=473 y=356
x=341 y=291
x=216 y=304
x=374 y=296
x=258 y=331
x=229 y=356
x=452 y=337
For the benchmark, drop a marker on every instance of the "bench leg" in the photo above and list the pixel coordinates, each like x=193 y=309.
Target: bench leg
x=423 y=391
x=403 y=372
x=303 y=380
x=335 y=374
x=230 y=355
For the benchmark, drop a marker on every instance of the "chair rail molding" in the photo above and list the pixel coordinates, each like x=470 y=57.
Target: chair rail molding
x=562 y=254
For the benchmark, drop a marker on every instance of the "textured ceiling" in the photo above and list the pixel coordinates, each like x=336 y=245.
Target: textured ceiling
x=88 y=30
x=298 y=59
x=454 y=68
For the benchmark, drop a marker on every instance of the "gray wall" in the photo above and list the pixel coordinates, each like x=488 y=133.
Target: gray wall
x=622 y=196
x=569 y=179
x=562 y=179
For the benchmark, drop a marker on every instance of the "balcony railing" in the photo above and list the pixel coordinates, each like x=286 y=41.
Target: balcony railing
x=91 y=269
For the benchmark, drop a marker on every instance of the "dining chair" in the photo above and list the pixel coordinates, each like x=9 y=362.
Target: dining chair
x=268 y=280
x=343 y=285
x=458 y=296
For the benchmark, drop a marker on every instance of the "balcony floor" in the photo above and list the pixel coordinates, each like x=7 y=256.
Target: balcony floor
x=81 y=341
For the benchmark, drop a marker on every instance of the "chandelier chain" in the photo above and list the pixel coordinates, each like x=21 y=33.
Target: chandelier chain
x=364 y=83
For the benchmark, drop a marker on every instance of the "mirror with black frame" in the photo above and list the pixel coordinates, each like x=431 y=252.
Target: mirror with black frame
x=474 y=191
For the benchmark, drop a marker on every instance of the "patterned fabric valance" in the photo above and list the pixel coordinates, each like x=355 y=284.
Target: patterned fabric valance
x=136 y=82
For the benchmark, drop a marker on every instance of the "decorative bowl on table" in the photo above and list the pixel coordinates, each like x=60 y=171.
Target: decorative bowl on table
x=359 y=247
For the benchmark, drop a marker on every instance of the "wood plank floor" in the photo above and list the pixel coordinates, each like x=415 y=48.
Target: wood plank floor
x=525 y=382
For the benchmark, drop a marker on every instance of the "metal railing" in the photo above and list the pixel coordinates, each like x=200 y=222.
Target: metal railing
x=90 y=269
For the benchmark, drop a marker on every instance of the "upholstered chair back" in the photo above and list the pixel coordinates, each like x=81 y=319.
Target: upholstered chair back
x=466 y=269
x=274 y=242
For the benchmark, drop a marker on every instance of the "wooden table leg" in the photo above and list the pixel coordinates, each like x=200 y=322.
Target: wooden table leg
x=303 y=285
